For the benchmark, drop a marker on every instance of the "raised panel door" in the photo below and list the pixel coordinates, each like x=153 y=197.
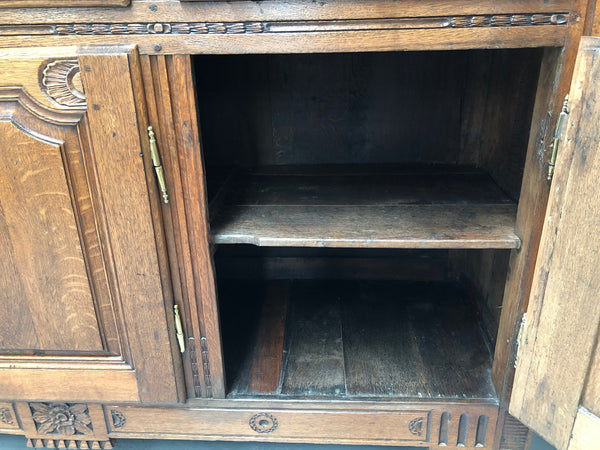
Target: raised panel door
x=84 y=301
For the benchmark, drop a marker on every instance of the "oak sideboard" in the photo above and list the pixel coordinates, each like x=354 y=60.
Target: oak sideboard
x=335 y=221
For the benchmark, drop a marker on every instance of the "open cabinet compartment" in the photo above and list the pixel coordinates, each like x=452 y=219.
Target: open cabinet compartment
x=352 y=324
x=380 y=192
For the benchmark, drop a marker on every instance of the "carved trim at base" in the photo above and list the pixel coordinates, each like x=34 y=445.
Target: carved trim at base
x=70 y=443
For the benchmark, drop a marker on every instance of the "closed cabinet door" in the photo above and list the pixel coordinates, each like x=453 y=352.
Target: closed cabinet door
x=557 y=383
x=84 y=295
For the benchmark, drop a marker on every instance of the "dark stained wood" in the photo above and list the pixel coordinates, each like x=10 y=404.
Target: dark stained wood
x=381 y=350
x=159 y=221
x=265 y=372
x=374 y=339
x=496 y=120
x=363 y=185
x=409 y=226
x=550 y=375
x=367 y=210
x=452 y=333
x=248 y=262
x=484 y=275
x=315 y=360
x=414 y=340
x=368 y=108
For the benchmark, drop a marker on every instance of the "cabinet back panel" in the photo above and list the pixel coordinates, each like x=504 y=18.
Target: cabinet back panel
x=469 y=107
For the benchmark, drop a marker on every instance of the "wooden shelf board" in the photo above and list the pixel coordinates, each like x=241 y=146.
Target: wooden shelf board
x=428 y=208
x=357 y=340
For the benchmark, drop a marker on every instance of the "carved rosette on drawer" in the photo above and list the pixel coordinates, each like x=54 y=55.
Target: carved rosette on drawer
x=61 y=81
x=118 y=418
x=263 y=423
x=62 y=419
x=415 y=426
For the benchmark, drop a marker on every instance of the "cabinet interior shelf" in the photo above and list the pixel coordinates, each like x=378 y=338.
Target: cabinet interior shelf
x=354 y=339
x=363 y=206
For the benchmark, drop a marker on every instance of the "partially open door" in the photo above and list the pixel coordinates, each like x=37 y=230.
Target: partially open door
x=561 y=331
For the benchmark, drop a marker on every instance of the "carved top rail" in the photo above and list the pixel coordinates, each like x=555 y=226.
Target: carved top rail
x=171 y=27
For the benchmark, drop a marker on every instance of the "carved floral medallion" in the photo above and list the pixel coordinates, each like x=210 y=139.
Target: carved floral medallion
x=62 y=418
x=416 y=426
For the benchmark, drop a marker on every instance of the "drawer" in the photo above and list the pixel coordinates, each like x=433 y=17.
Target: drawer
x=273 y=425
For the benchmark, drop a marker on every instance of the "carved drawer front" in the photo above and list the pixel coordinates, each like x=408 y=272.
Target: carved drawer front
x=409 y=426
x=274 y=425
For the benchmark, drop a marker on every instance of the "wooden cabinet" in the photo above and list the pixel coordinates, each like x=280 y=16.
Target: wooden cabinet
x=357 y=217
x=84 y=310
x=61 y=3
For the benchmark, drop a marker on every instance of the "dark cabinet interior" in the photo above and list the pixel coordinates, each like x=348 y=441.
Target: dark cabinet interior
x=361 y=209
x=351 y=324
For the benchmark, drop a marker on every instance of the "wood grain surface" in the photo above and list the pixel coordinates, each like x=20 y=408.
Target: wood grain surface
x=46 y=302
x=315 y=42
x=115 y=133
x=422 y=210
x=555 y=79
x=266 y=365
x=277 y=10
x=447 y=108
x=368 y=340
x=550 y=376
x=61 y=3
x=314 y=362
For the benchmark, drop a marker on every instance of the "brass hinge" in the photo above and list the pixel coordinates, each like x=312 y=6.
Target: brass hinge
x=179 y=329
x=160 y=174
x=520 y=337
x=560 y=124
